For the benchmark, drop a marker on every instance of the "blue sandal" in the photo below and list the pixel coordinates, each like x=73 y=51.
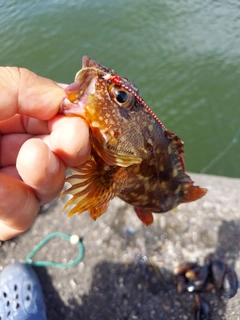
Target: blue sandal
x=21 y=296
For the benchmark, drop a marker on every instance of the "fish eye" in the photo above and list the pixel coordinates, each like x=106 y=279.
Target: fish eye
x=121 y=96
x=124 y=98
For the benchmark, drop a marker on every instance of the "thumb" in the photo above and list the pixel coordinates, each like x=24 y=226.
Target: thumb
x=24 y=92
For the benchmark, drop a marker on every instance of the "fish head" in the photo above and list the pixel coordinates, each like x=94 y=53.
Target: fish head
x=111 y=107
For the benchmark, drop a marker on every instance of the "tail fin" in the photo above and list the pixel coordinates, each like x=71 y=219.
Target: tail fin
x=193 y=193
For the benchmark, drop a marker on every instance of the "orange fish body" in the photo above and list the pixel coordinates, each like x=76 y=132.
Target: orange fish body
x=133 y=155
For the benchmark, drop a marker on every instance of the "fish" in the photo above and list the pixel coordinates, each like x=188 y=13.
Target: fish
x=133 y=155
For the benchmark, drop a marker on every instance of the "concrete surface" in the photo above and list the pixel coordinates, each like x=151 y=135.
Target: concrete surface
x=115 y=279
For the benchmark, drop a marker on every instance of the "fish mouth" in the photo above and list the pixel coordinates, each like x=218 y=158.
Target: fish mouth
x=77 y=93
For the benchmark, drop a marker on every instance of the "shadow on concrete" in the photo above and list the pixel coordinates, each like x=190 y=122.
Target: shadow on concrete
x=140 y=290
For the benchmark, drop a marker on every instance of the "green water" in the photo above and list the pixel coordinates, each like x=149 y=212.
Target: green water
x=183 y=55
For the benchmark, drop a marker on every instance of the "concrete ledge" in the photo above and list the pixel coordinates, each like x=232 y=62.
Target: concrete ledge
x=114 y=281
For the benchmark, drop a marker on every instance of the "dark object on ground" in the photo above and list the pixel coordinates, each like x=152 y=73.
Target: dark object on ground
x=214 y=274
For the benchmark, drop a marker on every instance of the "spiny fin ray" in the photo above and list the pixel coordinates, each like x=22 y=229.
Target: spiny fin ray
x=92 y=187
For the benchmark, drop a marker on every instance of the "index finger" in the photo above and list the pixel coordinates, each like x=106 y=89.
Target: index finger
x=26 y=93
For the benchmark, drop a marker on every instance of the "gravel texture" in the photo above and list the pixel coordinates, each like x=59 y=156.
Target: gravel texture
x=127 y=269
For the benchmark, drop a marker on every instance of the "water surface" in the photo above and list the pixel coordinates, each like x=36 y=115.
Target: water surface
x=183 y=55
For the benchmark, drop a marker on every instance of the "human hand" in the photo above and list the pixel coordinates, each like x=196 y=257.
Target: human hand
x=36 y=145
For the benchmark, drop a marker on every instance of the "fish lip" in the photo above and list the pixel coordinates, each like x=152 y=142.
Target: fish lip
x=68 y=108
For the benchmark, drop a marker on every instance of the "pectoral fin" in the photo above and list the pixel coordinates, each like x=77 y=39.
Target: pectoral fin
x=98 y=211
x=103 y=146
x=93 y=187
